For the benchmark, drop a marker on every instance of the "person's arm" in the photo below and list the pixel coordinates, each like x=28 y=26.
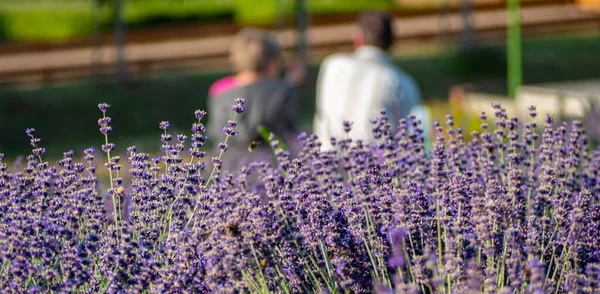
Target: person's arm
x=289 y=113
x=214 y=121
x=591 y=118
x=295 y=73
x=395 y=104
x=281 y=113
x=403 y=96
x=220 y=112
x=320 y=122
x=291 y=109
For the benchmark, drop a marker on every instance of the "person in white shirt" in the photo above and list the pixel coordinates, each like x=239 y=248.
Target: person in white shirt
x=356 y=86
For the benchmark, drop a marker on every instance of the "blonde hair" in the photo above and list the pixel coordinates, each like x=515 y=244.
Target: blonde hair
x=253 y=49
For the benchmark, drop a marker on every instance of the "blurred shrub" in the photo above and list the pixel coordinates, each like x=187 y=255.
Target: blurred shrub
x=478 y=60
x=260 y=11
x=149 y=12
x=266 y=11
x=45 y=20
x=3 y=34
x=329 y=6
x=45 y=25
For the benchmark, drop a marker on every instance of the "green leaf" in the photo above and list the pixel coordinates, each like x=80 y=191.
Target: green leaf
x=265 y=134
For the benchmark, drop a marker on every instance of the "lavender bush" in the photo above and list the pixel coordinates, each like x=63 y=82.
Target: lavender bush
x=507 y=212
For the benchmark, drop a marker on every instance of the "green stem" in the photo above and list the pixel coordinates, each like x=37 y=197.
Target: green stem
x=368 y=221
x=167 y=155
x=549 y=267
x=514 y=47
x=310 y=257
x=210 y=176
x=261 y=275
x=110 y=176
x=170 y=212
x=500 y=281
x=326 y=258
x=251 y=281
x=311 y=275
x=439 y=233
x=408 y=264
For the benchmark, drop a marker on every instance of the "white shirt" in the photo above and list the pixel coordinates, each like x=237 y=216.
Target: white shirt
x=356 y=87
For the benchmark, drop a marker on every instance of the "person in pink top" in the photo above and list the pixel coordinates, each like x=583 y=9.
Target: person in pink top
x=271 y=101
x=294 y=75
x=221 y=86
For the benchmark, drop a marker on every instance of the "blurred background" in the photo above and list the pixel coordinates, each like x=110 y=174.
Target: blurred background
x=154 y=60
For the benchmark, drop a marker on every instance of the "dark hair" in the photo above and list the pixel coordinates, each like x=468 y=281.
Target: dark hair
x=254 y=49
x=376 y=27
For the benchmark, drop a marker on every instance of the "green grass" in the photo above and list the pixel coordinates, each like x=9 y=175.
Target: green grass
x=66 y=117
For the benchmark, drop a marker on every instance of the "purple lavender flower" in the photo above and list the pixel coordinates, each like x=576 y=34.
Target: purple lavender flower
x=222 y=147
x=30 y=132
x=108 y=147
x=229 y=131
x=200 y=114
x=500 y=213
x=239 y=105
x=103 y=107
x=164 y=125
x=347 y=126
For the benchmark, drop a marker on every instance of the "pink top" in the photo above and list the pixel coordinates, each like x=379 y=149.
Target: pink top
x=221 y=86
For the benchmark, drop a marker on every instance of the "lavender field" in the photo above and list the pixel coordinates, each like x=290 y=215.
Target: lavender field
x=515 y=209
